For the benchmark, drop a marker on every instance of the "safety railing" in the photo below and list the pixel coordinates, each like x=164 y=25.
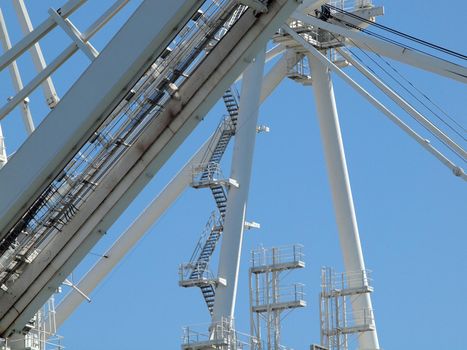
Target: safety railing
x=277 y=255
x=360 y=318
x=284 y=294
x=332 y=281
x=350 y=5
x=213 y=222
x=222 y=336
x=198 y=271
x=226 y=125
x=206 y=172
x=309 y=33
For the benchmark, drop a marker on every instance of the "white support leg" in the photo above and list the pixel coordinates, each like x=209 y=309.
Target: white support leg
x=36 y=52
x=15 y=76
x=242 y=160
x=340 y=186
x=3 y=156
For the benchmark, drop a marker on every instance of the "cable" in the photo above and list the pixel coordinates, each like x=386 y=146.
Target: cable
x=382 y=37
x=395 y=70
x=405 y=88
x=424 y=95
x=402 y=34
x=425 y=127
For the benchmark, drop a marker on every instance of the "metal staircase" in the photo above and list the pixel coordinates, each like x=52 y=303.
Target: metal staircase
x=196 y=273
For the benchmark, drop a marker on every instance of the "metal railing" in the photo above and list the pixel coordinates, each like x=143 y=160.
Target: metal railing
x=285 y=294
x=199 y=269
x=277 y=255
x=360 y=318
x=213 y=221
x=350 y=5
x=221 y=333
x=332 y=280
x=222 y=336
x=210 y=171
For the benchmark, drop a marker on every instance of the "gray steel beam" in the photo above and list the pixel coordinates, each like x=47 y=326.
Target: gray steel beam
x=89 y=101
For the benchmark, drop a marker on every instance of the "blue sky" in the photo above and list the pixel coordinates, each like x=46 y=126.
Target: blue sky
x=411 y=210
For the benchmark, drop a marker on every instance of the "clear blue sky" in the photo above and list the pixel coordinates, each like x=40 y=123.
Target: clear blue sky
x=411 y=210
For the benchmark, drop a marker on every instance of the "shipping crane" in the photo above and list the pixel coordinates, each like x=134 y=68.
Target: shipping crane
x=132 y=108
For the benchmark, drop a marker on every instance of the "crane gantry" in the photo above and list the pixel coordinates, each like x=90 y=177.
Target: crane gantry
x=139 y=100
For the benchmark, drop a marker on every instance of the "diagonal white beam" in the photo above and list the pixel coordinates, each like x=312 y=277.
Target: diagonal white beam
x=405 y=105
x=74 y=34
x=133 y=233
x=36 y=53
x=37 y=34
x=399 y=53
x=16 y=77
x=457 y=171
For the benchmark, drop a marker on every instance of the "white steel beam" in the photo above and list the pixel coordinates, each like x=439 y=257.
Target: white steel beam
x=36 y=53
x=16 y=77
x=399 y=53
x=133 y=233
x=456 y=170
x=242 y=163
x=270 y=54
x=3 y=156
x=37 y=34
x=104 y=18
x=340 y=187
x=273 y=78
x=148 y=217
x=74 y=34
x=143 y=159
x=274 y=52
x=62 y=58
x=405 y=105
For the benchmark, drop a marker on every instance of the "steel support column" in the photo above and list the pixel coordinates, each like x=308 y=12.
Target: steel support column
x=340 y=186
x=242 y=160
x=37 y=57
x=3 y=156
